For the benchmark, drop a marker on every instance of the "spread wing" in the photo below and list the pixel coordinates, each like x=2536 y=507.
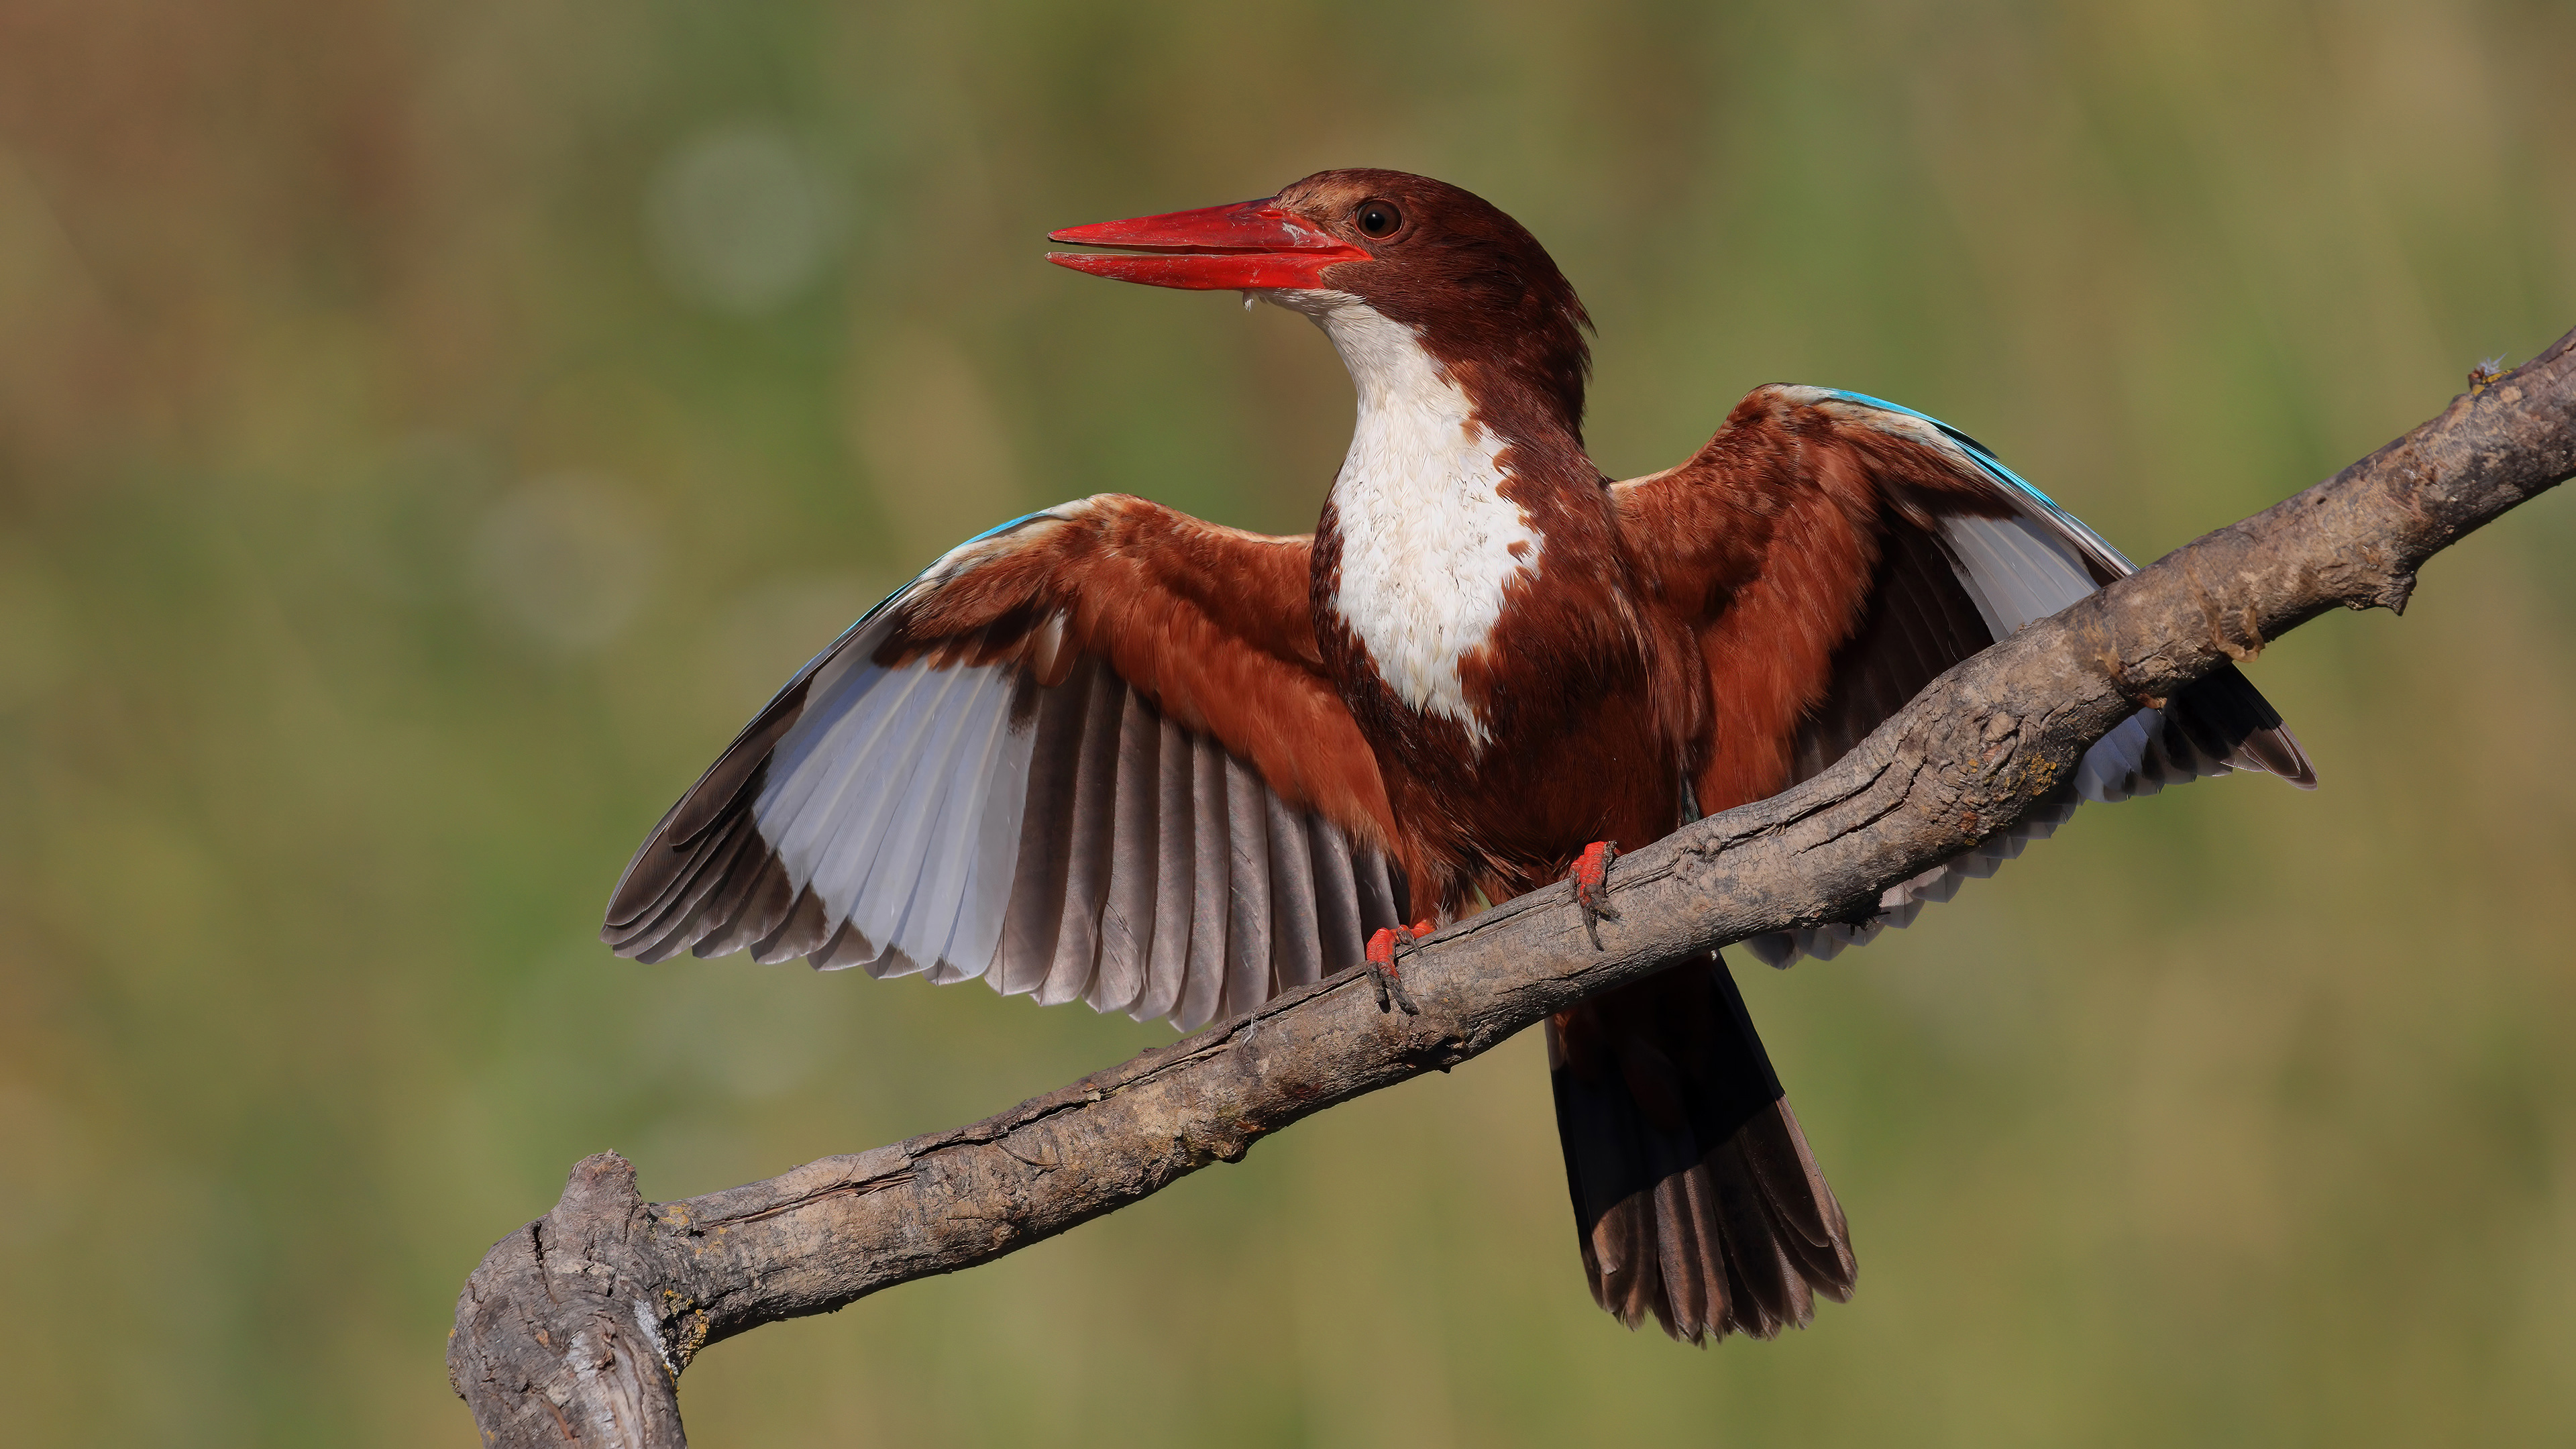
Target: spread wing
x=1089 y=755
x=1836 y=554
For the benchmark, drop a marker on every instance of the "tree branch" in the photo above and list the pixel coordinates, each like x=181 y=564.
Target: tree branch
x=576 y=1327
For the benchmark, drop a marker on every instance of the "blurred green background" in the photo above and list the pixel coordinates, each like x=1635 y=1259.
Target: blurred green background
x=428 y=430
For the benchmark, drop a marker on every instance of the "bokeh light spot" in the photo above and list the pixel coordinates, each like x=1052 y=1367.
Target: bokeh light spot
x=740 y=220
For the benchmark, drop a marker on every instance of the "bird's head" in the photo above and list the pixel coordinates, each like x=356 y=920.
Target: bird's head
x=1358 y=249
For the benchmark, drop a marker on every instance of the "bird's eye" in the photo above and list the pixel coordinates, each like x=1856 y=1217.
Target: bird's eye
x=1377 y=218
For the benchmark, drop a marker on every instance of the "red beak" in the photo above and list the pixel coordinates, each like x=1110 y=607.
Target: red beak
x=1252 y=245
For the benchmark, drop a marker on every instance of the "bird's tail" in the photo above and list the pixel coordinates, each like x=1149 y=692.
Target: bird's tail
x=1694 y=1193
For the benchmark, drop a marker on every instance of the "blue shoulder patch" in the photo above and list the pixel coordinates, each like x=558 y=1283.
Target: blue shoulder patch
x=1985 y=456
x=995 y=531
x=1994 y=467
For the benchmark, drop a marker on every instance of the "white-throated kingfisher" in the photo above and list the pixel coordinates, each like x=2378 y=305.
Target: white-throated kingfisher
x=1114 y=754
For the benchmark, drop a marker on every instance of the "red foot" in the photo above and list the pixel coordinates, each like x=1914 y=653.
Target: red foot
x=1381 y=947
x=1381 y=961
x=1591 y=877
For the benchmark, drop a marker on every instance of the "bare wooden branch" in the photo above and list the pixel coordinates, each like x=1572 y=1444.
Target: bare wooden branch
x=576 y=1327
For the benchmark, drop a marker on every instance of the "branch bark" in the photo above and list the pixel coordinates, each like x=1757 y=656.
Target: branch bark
x=576 y=1327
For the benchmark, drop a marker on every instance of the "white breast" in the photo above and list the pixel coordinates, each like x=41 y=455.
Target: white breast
x=1429 y=544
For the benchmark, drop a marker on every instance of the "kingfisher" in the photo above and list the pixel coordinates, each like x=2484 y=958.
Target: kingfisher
x=1111 y=753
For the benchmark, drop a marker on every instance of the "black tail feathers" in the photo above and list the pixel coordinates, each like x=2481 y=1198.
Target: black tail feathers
x=1695 y=1194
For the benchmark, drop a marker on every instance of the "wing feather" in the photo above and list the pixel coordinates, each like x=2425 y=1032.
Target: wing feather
x=652 y=918
x=762 y=894
x=881 y=882
x=1337 y=895
x=1212 y=881
x=1036 y=912
x=1296 y=943
x=947 y=849
x=1135 y=860
x=1382 y=893
x=1088 y=843
x=975 y=943
x=1088 y=755
x=1175 y=860
x=805 y=929
x=1966 y=552
x=1247 y=921
x=682 y=918
x=821 y=804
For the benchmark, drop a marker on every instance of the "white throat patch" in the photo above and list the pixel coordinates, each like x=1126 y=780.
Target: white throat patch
x=1428 y=541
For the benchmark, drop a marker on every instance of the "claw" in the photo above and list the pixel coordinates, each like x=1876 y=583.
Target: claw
x=1591 y=877
x=1381 y=964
